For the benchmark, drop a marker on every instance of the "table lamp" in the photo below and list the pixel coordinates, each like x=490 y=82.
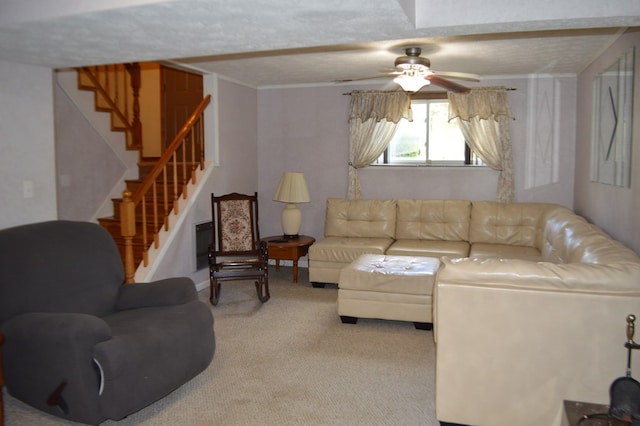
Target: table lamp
x=291 y=190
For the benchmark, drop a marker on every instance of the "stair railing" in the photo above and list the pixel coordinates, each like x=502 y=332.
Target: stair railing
x=161 y=189
x=118 y=91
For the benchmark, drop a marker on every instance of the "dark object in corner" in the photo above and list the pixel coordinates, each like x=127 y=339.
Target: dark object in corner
x=624 y=391
x=56 y=399
x=423 y=325
x=348 y=320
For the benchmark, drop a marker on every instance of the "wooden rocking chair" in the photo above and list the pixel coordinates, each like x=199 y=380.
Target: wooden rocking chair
x=236 y=251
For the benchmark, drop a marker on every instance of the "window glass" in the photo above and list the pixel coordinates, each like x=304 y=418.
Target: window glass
x=430 y=139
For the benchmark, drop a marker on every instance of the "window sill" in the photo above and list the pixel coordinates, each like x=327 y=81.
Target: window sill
x=430 y=166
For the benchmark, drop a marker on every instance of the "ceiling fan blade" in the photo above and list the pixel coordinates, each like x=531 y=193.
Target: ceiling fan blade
x=382 y=77
x=459 y=75
x=349 y=80
x=447 y=84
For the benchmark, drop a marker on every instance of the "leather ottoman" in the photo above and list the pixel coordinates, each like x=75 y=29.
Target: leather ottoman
x=388 y=287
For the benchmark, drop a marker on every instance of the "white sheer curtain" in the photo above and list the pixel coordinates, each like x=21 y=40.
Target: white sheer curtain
x=484 y=116
x=373 y=119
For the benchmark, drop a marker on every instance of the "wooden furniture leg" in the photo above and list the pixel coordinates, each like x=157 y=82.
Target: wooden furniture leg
x=295 y=271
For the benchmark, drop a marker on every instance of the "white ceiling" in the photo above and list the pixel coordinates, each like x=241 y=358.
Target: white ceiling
x=265 y=43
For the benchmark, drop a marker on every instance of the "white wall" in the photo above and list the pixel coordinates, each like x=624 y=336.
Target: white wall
x=27 y=144
x=88 y=168
x=306 y=129
x=612 y=208
x=92 y=158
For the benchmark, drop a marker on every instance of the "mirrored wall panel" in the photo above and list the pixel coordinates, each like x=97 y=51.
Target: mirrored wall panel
x=613 y=123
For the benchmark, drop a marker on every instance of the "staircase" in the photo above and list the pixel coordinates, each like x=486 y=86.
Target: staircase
x=117 y=92
x=147 y=201
x=155 y=215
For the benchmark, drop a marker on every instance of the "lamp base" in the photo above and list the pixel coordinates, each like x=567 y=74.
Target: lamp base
x=290 y=237
x=291 y=219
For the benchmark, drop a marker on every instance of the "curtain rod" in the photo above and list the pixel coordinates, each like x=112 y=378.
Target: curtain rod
x=507 y=89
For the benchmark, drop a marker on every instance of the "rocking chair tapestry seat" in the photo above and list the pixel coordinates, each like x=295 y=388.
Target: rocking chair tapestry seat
x=236 y=252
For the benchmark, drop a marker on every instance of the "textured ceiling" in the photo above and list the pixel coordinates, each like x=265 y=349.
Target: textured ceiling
x=290 y=42
x=498 y=54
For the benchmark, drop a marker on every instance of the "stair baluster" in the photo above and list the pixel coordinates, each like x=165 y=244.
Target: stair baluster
x=179 y=147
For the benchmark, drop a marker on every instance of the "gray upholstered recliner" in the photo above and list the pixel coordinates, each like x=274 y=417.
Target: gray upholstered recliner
x=78 y=343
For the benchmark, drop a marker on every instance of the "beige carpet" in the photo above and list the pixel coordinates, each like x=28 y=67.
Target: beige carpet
x=291 y=361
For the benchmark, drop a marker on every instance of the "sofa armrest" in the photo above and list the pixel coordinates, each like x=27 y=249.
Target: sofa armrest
x=621 y=278
x=167 y=292
x=516 y=338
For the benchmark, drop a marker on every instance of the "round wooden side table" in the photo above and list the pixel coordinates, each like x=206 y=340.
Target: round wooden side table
x=281 y=248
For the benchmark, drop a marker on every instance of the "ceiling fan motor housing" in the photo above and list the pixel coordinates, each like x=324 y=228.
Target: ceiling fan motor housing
x=412 y=60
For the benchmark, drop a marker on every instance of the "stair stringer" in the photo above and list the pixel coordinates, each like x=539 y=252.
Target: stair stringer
x=177 y=223
x=101 y=122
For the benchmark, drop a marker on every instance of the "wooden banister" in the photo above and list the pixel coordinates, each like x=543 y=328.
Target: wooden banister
x=163 y=183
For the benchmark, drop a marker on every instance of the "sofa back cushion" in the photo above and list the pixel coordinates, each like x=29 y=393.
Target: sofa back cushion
x=360 y=218
x=446 y=220
x=562 y=234
x=518 y=224
x=569 y=238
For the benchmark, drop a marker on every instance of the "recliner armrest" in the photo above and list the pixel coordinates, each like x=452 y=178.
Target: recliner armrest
x=167 y=292
x=48 y=360
x=56 y=328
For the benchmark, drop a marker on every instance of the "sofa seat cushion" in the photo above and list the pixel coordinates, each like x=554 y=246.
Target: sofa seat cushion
x=505 y=251
x=347 y=249
x=430 y=248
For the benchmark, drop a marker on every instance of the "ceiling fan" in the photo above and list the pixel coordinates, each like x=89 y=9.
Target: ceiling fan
x=414 y=72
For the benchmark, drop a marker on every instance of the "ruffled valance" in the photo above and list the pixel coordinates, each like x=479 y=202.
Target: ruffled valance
x=377 y=105
x=484 y=103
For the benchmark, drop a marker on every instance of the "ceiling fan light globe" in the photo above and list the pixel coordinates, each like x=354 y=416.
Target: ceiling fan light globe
x=411 y=83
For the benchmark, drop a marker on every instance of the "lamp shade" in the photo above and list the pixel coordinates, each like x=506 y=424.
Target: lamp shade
x=292 y=188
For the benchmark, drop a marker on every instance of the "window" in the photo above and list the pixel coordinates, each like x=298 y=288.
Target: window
x=430 y=139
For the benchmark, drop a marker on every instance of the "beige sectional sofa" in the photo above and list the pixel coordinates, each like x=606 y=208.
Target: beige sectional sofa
x=435 y=228
x=529 y=303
